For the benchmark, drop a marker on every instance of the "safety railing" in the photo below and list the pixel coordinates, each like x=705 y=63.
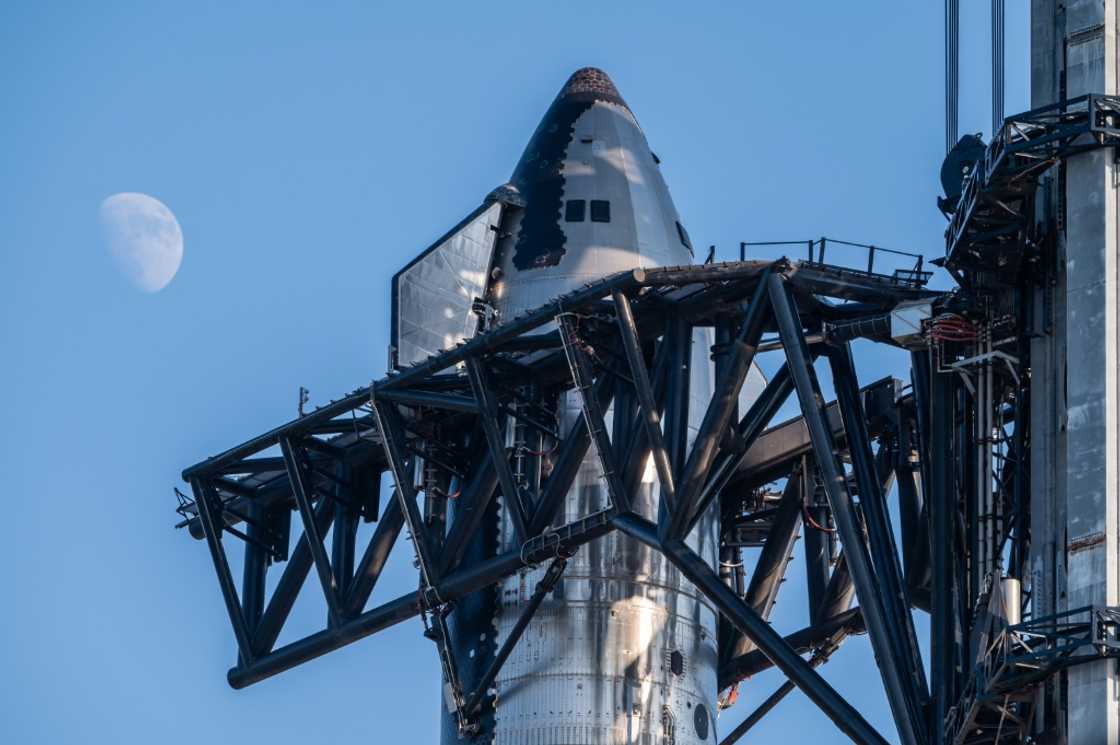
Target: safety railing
x=903 y=267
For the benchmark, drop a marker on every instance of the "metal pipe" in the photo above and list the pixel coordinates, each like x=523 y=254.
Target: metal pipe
x=679 y=338
x=343 y=539
x=256 y=567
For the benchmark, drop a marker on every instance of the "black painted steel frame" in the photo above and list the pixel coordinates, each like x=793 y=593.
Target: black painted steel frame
x=989 y=229
x=620 y=340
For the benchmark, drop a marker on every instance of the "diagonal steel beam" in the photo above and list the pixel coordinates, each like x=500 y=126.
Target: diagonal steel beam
x=773 y=560
x=470 y=509
x=582 y=377
x=678 y=341
x=718 y=415
x=769 y=642
x=843 y=510
x=884 y=552
x=648 y=410
x=206 y=499
x=638 y=450
x=373 y=560
x=291 y=580
x=548 y=581
x=568 y=461
x=488 y=417
x=392 y=438
x=297 y=476
x=819 y=658
x=750 y=427
x=843 y=624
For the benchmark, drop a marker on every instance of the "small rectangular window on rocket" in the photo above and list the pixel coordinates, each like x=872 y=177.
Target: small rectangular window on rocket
x=573 y=210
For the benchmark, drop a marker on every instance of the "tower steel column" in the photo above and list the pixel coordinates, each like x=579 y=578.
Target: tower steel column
x=1075 y=397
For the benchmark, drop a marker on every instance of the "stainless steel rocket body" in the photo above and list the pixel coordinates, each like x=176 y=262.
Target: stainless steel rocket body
x=623 y=650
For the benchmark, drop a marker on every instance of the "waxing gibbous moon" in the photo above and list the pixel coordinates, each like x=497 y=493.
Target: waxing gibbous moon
x=143 y=238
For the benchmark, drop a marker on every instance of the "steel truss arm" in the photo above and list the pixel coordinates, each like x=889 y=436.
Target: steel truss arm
x=453 y=586
x=601 y=357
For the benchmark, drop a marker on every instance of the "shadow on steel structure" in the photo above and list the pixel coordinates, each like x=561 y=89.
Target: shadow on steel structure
x=610 y=339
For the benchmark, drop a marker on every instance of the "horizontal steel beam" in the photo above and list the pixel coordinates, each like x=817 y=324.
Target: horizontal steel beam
x=450 y=588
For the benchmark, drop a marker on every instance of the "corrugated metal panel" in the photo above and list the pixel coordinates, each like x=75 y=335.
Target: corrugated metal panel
x=433 y=295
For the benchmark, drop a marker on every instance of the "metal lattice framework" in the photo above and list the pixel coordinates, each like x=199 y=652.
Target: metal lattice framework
x=621 y=343
x=990 y=229
x=999 y=698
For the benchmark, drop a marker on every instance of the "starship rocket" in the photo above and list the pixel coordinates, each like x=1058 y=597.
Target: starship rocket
x=623 y=650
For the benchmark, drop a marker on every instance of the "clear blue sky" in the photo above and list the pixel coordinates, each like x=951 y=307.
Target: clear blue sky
x=309 y=150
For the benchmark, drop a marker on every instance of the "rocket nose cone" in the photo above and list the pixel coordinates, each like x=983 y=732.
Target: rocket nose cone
x=590 y=83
